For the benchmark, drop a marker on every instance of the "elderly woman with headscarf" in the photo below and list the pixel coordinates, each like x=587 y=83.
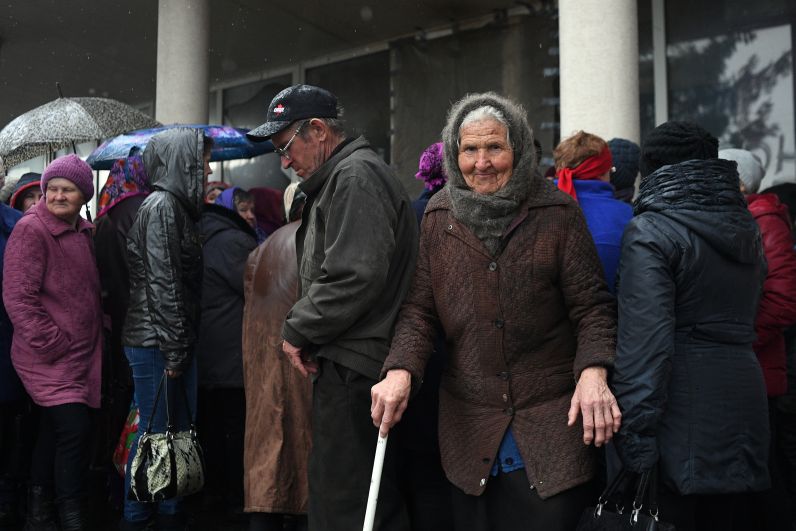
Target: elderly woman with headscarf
x=432 y=172
x=509 y=271
x=117 y=204
x=51 y=292
x=583 y=171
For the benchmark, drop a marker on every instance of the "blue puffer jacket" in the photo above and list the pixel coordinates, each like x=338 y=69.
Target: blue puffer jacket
x=686 y=378
x=10 y=386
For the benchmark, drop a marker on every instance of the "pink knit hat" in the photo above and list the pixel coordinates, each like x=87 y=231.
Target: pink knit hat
x=71 y=168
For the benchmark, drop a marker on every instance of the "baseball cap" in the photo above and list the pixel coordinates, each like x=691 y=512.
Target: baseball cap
x=295 y=103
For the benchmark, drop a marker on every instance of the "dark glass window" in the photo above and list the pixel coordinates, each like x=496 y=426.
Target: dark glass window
x=362 y=87
x=730 y=69
x=245 y=106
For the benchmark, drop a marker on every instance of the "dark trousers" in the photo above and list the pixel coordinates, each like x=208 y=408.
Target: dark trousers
x=277 y=522
x=770 y=510
x=425 y=489
x=341 y=461
x=16 y=441
x=786 y=457
x=63 y=450
x=509 y=504
x=704 y=512
x=221 y=424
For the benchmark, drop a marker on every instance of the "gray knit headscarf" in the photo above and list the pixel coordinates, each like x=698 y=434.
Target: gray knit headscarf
x=488 y=215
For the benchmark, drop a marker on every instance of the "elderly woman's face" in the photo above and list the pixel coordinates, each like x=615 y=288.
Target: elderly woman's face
x=485 y=157
x=64 y=199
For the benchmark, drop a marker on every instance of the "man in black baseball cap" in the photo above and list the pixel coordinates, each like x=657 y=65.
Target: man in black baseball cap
x=357 y=247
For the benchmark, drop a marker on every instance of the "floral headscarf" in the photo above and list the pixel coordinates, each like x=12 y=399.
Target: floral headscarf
x=127 y=179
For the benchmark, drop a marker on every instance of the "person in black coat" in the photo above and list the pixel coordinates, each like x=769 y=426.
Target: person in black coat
x=13 y=399
x=119 y=199
x=688 y=383
x=227 y=229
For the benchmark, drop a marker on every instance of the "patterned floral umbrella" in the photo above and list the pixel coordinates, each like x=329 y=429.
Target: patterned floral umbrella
x=229 y=143
x=59 y=123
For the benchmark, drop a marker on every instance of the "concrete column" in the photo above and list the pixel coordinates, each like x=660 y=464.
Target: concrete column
x=598 y=46
x=183 y=69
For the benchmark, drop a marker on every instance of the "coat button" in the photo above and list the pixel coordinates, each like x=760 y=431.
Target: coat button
x=509 y=411
x=503 y=375
x=505 y=397
x=450 y=227
x=499 y=323
x=492 y=266
x=483 y=482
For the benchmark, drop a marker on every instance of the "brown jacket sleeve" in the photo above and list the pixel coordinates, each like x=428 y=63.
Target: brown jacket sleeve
x=417 y=322
x=592 y=308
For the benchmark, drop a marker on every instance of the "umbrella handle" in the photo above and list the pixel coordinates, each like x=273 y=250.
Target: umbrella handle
x=375 y=482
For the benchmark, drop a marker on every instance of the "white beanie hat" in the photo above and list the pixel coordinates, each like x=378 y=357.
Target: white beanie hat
x=750 y=170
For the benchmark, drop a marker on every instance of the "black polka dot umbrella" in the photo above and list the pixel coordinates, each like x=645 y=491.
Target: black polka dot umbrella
x=59 y=123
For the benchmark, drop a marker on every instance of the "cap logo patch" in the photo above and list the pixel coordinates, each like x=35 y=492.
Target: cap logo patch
x=279 y=109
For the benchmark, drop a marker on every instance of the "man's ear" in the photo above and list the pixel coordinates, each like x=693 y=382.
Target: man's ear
x=320 y=129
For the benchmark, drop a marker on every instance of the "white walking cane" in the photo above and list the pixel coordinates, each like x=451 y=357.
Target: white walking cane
x=375 y=482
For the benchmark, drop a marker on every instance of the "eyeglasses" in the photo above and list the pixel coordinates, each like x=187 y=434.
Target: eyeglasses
x=283 y=151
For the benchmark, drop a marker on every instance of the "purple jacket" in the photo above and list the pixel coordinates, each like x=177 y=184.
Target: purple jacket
x=51 y=292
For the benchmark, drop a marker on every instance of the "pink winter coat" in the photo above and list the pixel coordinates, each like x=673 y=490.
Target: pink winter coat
x=51 y=291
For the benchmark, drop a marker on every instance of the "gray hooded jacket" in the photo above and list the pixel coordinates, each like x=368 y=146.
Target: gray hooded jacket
x=164 y=250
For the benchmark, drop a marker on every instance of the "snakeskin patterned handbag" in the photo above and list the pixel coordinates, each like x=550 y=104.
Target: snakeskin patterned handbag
x=167 y=465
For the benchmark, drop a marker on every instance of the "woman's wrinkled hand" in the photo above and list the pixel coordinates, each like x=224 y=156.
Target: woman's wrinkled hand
x=389 y=398
x=594 y=400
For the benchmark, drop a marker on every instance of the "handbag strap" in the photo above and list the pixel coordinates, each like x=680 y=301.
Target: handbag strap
x=155 y=403
x=164 y=390
x=187 y=404
x=653 y=489
x=611 y=490
x=648 y=482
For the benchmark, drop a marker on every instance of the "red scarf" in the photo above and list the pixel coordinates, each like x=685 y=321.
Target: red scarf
x=593 y=167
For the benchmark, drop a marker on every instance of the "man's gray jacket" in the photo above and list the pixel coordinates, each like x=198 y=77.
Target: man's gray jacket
x=356 y=247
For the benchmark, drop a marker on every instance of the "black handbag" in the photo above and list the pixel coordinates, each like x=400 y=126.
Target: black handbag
x=616 y=511
x=167 y=465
